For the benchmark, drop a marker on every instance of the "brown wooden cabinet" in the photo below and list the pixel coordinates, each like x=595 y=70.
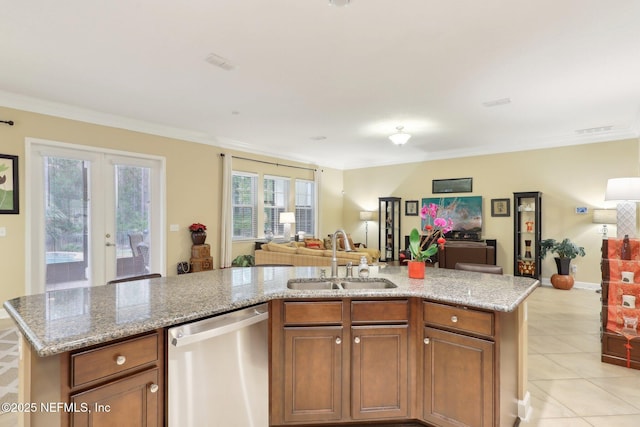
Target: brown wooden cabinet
x=458 y=366
x=340 y=360
x=115 y=384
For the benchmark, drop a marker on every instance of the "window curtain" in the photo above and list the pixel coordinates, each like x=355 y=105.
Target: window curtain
x=225 y=216
x=317 y=175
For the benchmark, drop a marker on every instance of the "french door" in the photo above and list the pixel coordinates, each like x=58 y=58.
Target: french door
x=96 y=216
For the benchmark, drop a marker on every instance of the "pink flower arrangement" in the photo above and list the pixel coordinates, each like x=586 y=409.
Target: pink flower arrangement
x=433 y=233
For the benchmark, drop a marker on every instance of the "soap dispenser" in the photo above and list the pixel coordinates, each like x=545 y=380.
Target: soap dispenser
x=363 y=268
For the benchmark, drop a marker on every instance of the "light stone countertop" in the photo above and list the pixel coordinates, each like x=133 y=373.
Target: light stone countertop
x=60 y=321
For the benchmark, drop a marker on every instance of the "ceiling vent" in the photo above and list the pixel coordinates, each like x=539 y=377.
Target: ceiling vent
x=591 y=131
x=496 y=102
x=219 y=61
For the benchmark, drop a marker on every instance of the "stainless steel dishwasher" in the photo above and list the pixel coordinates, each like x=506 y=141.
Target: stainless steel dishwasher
x=218 y=371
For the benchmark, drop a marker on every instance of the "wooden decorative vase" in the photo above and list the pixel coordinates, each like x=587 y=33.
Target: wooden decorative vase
x=562 y=281
x=416 y=269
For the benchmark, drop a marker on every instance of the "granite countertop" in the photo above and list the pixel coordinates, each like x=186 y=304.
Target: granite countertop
x=64 y=320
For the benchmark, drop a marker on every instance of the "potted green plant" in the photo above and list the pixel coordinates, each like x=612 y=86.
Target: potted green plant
x=565 y=250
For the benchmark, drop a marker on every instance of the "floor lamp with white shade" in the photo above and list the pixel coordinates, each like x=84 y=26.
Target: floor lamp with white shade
x=627 y=192
x=366 y=216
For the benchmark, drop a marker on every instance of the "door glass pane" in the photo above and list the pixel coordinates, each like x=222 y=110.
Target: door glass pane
x=133 y=220
x=66 y=222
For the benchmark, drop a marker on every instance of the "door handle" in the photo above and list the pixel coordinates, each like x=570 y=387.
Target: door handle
x=109 y=244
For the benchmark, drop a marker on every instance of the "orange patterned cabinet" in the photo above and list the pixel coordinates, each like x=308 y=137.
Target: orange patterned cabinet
x=620 y=303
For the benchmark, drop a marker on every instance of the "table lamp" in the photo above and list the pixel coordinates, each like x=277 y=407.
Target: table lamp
x=287 y=218
x=627 y=192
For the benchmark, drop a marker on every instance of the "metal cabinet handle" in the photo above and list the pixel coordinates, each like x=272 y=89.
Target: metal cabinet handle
x=427 y=340
x=454 y=319
x=338 y=340
x=121 y=360
x=356 y=340
x=153 y=388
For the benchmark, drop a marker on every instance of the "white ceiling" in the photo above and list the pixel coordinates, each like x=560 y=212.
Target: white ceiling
x=304 y=69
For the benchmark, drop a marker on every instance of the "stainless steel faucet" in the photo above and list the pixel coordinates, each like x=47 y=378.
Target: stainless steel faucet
x=334 y=259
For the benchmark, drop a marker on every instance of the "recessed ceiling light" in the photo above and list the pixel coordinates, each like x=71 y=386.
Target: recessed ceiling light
x=235 y=113
x=318 y=138
x=219 y=61
x=339 y=3
x=496 y=102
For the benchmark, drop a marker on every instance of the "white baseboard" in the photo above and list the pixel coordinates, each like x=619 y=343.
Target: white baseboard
x=579 y=285
x=524 y=408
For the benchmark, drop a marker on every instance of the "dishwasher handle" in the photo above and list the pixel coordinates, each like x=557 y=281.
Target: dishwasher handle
x=216 y=326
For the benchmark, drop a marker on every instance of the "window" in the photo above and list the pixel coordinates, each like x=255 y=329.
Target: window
x=244 y=205
x=305 y=206
x=276 y=198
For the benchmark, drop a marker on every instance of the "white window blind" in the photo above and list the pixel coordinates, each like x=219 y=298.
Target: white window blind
x=244 y=205
x=305 y=206
x=276 y=198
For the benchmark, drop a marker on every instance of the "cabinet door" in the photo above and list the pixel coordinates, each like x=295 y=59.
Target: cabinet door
x=312 y=374
x=129 y=402
x=458 y=379
x=379 y=372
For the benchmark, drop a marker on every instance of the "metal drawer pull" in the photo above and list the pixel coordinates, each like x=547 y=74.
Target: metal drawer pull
x=427 y=340
x=356 y=340
x=153 y=388
x=454 y=319
x=121 y=360
x=338 y=340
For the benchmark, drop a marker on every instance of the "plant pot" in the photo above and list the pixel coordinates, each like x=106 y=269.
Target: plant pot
x=563 y=265
x=562 y=281
x=198 y=237
x=416 y=269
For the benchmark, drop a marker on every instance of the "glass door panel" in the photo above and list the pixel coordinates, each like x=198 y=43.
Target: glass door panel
x=67 y=230
x=132 y=220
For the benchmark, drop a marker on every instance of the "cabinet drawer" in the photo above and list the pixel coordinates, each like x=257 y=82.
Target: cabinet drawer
x=472 y=321
x=99 y=363
x=379 y=311
x=312 y=313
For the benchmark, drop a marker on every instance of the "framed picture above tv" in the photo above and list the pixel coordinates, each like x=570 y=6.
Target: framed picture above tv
x=454 y=185
x=465 y=212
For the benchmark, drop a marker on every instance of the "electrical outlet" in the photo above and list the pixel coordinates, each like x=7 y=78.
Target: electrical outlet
x=3 y=231
x=574 y=269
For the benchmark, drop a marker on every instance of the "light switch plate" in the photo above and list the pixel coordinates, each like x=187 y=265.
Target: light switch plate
x=174 y=227
x=3 y=231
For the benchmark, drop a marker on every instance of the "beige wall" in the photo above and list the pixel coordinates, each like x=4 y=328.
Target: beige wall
x=193 y=185
x=568 y=177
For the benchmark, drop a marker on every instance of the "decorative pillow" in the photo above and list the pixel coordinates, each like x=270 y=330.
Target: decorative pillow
x=327 y=243
x=276 y=247
x=314 y=243
x=340 y=242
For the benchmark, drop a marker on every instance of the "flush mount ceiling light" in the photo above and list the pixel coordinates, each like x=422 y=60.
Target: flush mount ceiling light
x=400 y=137
x=339 y=3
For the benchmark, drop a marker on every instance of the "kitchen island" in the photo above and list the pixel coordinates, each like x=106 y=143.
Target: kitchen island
x=58 y=326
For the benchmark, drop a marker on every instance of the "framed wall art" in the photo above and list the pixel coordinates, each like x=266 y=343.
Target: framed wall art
x=454 y=185
x=500 y=207
x=411 y=208
x=9 y=184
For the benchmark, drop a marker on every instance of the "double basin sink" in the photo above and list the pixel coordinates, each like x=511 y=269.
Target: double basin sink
x=343 y=283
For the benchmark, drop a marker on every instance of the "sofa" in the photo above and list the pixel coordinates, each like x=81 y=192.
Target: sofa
x=305 y=254
x=467 y=252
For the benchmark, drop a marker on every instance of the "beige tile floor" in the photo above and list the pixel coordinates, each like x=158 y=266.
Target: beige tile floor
x=569 y=385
